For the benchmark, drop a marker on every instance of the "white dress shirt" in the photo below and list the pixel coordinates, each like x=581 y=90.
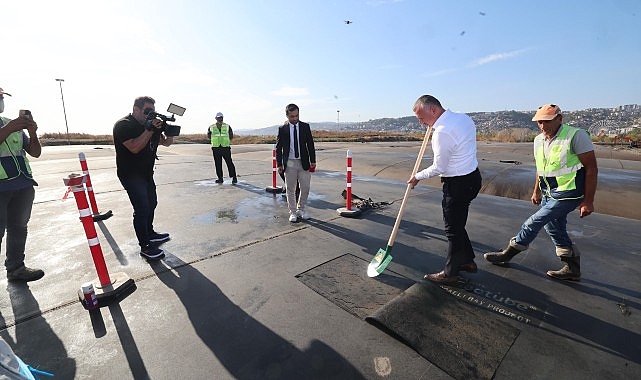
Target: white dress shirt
x=454 y=146
x=292 y=154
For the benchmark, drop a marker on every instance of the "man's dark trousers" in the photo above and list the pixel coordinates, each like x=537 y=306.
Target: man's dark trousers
x=458 y=193
x=221 y=153
x=15 y=212
x=143 y=197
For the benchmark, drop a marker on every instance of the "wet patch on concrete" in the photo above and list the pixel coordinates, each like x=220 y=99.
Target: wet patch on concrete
x=207 y=183
x=345 y=283
x=206 y=218
x=216 y=216
x=460 y=339
x=226 y=216
x=259 y=207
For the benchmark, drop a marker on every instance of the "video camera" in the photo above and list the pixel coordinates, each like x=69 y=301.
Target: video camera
x=168 y=129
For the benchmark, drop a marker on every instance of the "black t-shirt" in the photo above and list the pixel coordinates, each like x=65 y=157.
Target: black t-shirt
x=132 y=165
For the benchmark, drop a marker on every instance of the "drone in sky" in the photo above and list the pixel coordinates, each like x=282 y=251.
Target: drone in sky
x=349 y=22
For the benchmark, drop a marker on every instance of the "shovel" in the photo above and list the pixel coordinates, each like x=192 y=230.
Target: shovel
x=383 y=256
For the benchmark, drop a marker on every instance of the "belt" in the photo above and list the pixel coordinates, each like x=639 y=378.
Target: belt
x=454 y=178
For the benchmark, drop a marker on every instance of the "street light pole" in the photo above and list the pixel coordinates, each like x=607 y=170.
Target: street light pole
x=338 y=119
x=63 y=109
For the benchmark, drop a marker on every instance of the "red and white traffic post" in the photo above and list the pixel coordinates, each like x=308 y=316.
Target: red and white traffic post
x=348 y=210
x=273 y=188
x=106 y=286
x=92 y=199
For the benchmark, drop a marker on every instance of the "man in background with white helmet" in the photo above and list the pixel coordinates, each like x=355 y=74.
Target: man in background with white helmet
x=220 y=135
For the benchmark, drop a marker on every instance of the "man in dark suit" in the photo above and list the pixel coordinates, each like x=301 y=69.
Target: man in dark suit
x=296 y=157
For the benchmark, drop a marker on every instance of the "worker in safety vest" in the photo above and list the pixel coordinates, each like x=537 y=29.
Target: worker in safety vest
x=567 y=171
x=17 y=189
x=220 y=135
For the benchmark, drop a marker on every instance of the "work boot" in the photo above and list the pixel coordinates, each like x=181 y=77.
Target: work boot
x=506 y=254
x=571 y=269
x=25 y=274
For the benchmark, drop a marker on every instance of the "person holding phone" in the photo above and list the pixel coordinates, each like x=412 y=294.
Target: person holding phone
x=17 y=139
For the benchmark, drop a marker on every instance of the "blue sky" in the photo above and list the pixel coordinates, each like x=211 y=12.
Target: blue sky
x=248 y=59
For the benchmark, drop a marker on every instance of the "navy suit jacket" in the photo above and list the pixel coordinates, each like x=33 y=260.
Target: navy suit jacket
x=305 y=140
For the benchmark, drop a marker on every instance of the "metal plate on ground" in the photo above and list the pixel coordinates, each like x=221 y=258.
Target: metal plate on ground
x=462 y=339
x=344 y=282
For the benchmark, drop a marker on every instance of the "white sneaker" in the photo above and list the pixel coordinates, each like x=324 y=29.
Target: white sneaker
x=302 y=214
x=293 y=218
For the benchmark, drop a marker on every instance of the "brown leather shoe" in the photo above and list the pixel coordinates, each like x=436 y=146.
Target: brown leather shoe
x=469 y=267
x=441 y=278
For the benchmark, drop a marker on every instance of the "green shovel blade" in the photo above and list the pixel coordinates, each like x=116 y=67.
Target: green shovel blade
x=379 y=262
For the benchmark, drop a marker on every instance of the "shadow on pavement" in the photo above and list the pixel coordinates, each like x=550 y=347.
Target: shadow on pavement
x=243 y=345
x=112 y=243
x=33 y=332
x=128 y=343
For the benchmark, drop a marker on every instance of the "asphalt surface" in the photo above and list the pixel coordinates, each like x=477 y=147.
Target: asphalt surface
x=228 y=302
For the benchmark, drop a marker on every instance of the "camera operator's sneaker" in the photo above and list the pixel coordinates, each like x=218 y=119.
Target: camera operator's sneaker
x=302 y=214
x=25 y=274
x=151 y=253
x=293 y=218
x=158 y=238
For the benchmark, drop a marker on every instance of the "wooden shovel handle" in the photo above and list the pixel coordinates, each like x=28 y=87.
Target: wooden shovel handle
x=392 y=237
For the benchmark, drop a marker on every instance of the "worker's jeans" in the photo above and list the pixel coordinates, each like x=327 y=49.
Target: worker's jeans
x=553 y=217
x=15 y=212
x=142 y=194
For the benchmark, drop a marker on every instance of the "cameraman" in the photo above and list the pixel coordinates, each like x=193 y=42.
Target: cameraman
x=136 y=139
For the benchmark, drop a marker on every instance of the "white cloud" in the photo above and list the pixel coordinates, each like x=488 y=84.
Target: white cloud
x=497 y=57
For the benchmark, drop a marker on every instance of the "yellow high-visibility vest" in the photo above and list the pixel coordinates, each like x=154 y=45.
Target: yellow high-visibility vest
x=558 y=171
x=13 y=158
x=219 y=137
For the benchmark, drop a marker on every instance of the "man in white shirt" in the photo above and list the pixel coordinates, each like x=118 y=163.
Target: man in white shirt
x=454 y=146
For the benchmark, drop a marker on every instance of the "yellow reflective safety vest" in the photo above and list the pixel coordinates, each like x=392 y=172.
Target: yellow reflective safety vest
x=13 y=158
x=219 y=137
x=561 y=173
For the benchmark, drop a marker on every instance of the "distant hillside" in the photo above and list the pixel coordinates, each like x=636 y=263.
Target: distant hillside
x=594 y=120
